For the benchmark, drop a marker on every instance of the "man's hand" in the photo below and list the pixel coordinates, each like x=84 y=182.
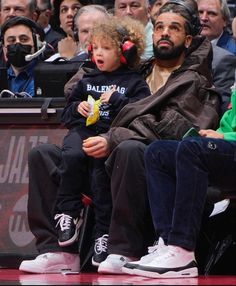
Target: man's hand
x=211 y=133
x=96 y=147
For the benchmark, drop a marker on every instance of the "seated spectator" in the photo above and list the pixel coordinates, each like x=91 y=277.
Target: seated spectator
x=44 y=10
x=13 y=8
x=22 y=42
x=223 y=65
x=178 y=174
x=64 y=11
x=139 y=10
x=215 y=16
x=116 y=47
x=178 y=80
x=84 y=20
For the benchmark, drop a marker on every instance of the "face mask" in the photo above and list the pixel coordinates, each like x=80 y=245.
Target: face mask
x=16 y=54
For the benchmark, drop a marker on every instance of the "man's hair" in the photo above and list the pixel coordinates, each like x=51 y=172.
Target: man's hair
x=20 y=20
x=89 y=9
x=46 y=4
x=188 y=10
x=32 y=5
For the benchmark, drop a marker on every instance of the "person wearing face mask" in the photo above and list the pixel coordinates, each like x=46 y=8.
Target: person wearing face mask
x=22 y=41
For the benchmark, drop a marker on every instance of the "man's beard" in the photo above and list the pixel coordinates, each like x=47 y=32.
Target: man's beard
x=170 y=53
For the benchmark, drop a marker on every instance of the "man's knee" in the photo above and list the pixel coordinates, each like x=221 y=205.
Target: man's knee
x=130 y=147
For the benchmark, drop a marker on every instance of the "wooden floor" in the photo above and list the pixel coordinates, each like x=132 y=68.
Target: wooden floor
x=16 y=277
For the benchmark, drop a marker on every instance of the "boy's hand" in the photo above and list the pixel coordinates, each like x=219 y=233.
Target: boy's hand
x=84 y=108
x=106 y=95
x=211 y=133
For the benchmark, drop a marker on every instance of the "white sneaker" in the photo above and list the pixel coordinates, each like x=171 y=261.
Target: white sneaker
x=52 y=262
x=154 y=251
x=175 y=263
x=113 y=264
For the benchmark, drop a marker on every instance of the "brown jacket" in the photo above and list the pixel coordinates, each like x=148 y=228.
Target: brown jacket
x=187 y=99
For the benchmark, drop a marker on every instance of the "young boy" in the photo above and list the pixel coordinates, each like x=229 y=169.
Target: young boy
x=116 y=47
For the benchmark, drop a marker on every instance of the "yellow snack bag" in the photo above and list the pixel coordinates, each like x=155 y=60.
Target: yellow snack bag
x=94 y=113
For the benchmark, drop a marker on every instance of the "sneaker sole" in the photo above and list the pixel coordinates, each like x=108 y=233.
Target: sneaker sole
x=94 y=263
x=191 y=272
x=105 y=270
x=37 y=270
x=129 y=270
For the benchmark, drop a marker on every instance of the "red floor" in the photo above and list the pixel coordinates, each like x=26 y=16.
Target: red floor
x=15 y=277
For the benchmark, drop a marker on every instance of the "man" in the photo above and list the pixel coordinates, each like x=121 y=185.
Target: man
x=21 y=39
x=178 y=175
x=223 y=72
x=13 y=8
x=180 y=81
x=44 y=176
x=215 y=16
x=139 y=10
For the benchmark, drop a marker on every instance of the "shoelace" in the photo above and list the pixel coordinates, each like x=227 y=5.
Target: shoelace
x=153 y=248
x=101 y=244
x=63 y=220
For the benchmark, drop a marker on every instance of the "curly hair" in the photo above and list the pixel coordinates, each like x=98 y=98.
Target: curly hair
x=117 y=31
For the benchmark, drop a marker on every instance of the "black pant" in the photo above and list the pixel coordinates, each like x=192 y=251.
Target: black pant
x=44 y=162
x=131 y=228
x=79 y=173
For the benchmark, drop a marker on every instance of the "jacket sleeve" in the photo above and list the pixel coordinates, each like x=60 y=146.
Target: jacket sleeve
x=70 y=113
x=139 y=90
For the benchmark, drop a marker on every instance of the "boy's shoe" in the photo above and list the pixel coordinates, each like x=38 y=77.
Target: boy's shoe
x=100 y=250
x=113 y=264
x=154 y=251
x=68 y=228
x=175 y=263
x=52 y=262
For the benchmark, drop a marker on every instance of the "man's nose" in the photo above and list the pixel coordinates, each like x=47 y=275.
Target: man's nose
x=165 y=31
x=12 y=12
x=128 y=10
x=204 y=16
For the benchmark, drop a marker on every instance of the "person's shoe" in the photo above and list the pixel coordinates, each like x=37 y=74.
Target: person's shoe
x=68 y=228
x=100 y=250
x=154 y=251
x=175 y=263
x=113 y=264
x=52 y=262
